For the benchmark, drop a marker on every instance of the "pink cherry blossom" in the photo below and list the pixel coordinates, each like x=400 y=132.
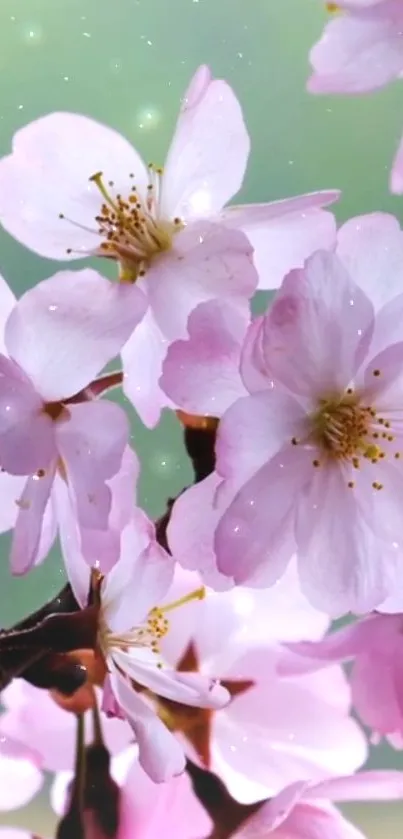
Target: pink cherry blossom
x=274 y=729
x=305 y=811
x=20 y=780
x=47 y=732
x=149 y=811
x=316 y=353
x=360 y=48
x=146 y=809
x=57 y=337
x=375 y=644
x=168 y=231
x=131 y=624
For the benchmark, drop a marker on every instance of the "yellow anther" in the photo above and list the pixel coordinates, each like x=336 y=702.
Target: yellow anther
x=371 y=452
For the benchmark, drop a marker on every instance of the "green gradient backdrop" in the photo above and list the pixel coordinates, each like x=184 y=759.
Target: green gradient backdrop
x=127 y=63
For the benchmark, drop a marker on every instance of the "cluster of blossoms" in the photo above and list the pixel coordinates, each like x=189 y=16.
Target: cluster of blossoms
x=185 y=682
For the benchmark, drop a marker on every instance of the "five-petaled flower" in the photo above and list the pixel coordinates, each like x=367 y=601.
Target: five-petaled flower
x=311 y=459
x=167 y=228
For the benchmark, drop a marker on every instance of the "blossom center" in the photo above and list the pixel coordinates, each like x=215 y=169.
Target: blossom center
x=147 y=635
x=131 y=227
x=346 y=430
x=342 y=428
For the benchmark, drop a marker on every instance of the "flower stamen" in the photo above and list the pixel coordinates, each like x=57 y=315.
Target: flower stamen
x=132 y=229
x=150 y=633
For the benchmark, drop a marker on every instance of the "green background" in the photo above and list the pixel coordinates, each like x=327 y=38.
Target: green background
x=127 y=63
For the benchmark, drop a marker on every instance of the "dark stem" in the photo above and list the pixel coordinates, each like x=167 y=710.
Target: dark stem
x=72 y=825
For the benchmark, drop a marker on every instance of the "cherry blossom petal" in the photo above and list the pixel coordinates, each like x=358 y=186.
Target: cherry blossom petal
x=376 y=692
x=11 y=488
x=83 y=318
x=48 y=174
x=371 y=249
x=273 y=813
x=191 y=534
x=254 y=429
x=313 y=709
x=396 y=175
x=121 y=487
x=207 y=158
x=313 y=821
x=91 y=443
x=254 y=539
x=253 y=367
x=360 y=578
x=284 y=233
x=170 y=809
x=26 y=542
x=358 y=52
x=160 y=754
x=26 y=433
x=208 y=261
x=341 y=645
x=191 y=689
x=375 y=785
x=386 y=387
x=318 y=315
x=201 y=373
x=142 y=358
x=77 y=569
x=20 y=780
x=48 y=530
x=7 y=303
x=139 y=580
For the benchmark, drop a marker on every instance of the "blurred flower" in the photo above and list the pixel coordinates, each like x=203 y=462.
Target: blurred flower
x=274 y=729
x=304 y=810
x=375 y=645
x=360 y=49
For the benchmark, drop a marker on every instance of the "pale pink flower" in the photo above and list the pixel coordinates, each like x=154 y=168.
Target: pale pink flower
x=48 y=733
x=360 y=48
x=150 y=811
x=170 y=227
x=274 y=729
x=323 y=376
x=305 y=811
x=57 y=338
x=20 y=780
x=146 y=810
x=131 y=624
x=375 y=644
